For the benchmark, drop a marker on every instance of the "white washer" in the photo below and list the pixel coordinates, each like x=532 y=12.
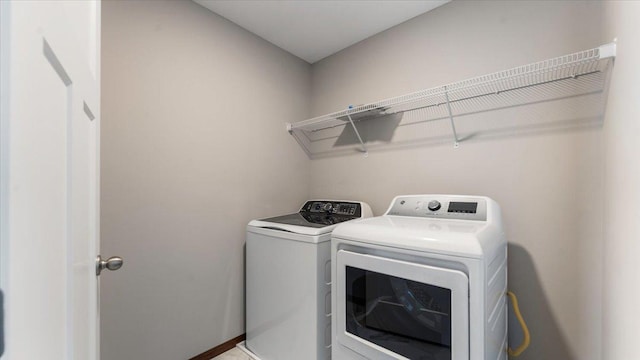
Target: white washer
x=427 y=280
x=288 y=280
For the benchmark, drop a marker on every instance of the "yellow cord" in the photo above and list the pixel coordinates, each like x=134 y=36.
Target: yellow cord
x=525 y=330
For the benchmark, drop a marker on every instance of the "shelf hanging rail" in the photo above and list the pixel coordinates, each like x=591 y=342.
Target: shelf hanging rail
x=557 y=69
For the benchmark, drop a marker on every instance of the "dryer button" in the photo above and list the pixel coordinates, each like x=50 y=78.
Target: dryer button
x=434 y=205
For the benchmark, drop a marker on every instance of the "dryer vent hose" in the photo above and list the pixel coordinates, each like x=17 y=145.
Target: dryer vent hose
x=525 y=330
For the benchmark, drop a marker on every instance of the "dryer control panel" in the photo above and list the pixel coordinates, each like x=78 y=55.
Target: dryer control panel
x=440 y=206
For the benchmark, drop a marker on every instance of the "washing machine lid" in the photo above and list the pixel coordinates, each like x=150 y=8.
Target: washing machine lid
x=450 y=237
x=316 y=217
x=294 y=223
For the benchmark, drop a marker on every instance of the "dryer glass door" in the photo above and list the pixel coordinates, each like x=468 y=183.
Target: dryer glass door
x=401 y=310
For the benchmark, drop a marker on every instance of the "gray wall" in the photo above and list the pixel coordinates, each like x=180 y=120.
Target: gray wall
x=622 y=186
x=188 y=158
x=542 y=163
x=193 y=147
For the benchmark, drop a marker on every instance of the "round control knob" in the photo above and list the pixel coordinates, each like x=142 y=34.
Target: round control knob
x=327 y=207
x=434 y=205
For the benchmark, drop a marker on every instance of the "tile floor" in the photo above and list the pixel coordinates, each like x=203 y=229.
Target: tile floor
x=233 y=354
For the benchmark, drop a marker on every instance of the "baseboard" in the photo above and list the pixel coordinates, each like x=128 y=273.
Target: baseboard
x=222 y=348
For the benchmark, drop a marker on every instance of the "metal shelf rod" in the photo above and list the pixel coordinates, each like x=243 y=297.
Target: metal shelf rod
x=471 y=97
x=571 y=61
x=564 y=68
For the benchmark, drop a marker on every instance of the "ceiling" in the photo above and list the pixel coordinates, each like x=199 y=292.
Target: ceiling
x=315 y=29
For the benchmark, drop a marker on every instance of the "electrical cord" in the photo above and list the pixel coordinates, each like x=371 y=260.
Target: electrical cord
x=527 y=338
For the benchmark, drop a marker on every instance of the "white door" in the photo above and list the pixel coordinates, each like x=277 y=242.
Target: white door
x=49 y=147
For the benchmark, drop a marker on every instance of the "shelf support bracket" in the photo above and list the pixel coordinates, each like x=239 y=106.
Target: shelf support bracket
x=364 y=147
x=456 y=143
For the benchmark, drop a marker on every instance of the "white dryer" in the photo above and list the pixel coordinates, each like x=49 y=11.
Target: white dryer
x=288 y=280
x=427 y=280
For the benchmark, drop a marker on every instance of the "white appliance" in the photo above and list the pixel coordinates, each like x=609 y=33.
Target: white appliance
x=427 y=280
x=288 y=280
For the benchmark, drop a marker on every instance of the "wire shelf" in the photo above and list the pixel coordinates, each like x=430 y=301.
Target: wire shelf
x=443 y=100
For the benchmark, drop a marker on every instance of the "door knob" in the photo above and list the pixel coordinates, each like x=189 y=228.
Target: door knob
x=112 y=263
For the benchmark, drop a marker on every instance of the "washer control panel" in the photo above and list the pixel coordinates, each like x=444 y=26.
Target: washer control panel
x=440 y=206
x=351 y=209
